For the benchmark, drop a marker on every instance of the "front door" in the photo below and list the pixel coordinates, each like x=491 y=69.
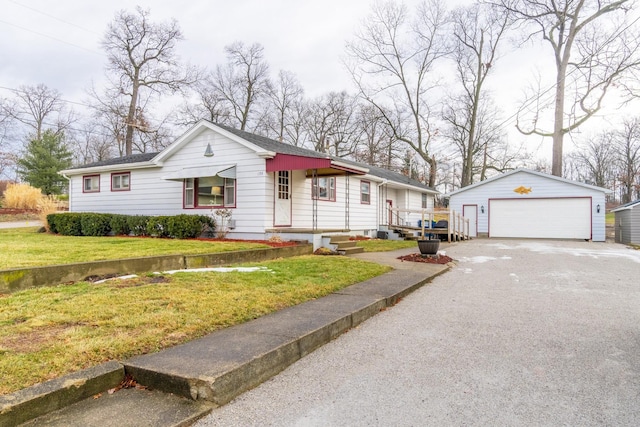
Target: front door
x=282 y=203
x=470 y=212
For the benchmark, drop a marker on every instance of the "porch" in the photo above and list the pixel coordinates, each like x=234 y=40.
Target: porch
x=421 y=223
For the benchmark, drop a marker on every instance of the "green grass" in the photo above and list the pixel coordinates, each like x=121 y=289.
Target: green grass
x=382 y=245
x=48 y=332
x=25 y=247
x=610 y=219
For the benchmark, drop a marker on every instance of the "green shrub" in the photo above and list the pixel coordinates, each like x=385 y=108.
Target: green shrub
x=95 y=224
x=52 y=219
x=158 y=226
x=120 y=225
x=138 y=224
x=184 y=226
x=69 y=224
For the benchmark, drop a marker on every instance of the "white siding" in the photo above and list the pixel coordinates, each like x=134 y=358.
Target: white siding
x=541 y=187
x=362 y=216
x=152 y=195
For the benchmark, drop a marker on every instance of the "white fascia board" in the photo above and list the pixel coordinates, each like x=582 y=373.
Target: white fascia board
x=109 y=168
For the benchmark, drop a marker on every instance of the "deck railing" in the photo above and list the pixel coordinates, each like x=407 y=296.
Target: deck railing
x=457 y=225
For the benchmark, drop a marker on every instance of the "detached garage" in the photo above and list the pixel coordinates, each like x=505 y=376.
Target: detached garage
x=528 y=204
x=628 y=223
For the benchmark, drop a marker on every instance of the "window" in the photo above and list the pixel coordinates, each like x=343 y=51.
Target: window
x=91 y=184
x=324 y=188
x=120 y=181
x=425 y=203
x=209 y=191
x=283 y=185
x=365 y=192
x=189 y=185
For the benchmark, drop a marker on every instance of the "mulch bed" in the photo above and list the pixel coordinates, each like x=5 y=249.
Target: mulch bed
x=439 y=259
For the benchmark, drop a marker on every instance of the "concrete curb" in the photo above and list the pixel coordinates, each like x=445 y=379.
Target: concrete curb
x=220 y=366
x=18 y=279
x=49 y=396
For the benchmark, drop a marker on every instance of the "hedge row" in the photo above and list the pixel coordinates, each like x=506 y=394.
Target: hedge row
x=99 y=224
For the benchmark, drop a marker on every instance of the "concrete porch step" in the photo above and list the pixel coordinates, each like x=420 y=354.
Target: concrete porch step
x=352 y=250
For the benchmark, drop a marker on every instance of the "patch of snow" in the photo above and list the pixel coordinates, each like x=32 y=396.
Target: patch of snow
x=129 y=276
x=594 y=251
x=482 y=259
x=218 y=270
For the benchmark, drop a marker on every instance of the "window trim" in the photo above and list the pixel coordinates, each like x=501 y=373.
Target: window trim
x=84 y=187
x=283 y=185
x=194 y=189
x=362 y=193
x=121 y=174
x=332 y=190
x=425 y=201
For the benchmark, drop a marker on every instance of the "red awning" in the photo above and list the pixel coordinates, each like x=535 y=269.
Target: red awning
x=289 y=162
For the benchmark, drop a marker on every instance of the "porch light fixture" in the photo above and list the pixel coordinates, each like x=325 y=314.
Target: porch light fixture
x=482 y=208
x=209 y=151
x=598 y=208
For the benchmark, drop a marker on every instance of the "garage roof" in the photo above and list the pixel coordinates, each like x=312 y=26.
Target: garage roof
x=626 y=206
x=519 y=170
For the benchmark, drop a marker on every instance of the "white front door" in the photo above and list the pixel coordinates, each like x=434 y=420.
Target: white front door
x=470 y=212
x=282 y=203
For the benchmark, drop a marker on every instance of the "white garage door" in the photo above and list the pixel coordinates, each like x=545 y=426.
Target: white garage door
x=541 y=218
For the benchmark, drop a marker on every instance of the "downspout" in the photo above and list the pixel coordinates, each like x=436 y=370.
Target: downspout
x=382 y=202
x=70 y=182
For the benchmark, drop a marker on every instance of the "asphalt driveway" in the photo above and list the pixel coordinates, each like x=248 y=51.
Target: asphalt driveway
x=518 y=333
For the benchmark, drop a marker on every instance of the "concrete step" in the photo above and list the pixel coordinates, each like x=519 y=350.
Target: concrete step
x=346 y=244
x=352 y=250
x=335 y=239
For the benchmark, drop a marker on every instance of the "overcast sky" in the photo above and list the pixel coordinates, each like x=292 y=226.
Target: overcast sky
x=58 y=42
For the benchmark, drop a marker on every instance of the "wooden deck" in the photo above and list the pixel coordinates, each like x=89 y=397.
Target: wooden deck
x=457 y=226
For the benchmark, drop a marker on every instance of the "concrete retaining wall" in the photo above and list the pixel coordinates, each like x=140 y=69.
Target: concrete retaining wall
x=23 y=278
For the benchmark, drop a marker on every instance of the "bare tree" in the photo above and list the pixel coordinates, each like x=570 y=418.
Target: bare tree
x=142 y=58
x=285 y=94
x=376 y=142
x=330 y=124
x=627 y=147
x=210 y=105
x=596 y=160
x=38 y=108
x=243 y=80
x=477 y=31
x=91 y=145
x=393 y=56
x=593 y=48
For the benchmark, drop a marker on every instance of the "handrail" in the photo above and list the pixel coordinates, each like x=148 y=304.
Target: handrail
x=457 y=225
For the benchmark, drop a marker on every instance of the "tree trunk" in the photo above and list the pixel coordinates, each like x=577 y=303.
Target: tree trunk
x=432 y=171
x=131 y=114
x=558 y=122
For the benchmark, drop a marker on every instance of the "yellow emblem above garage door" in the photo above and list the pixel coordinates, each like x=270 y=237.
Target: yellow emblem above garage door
x=522 y=190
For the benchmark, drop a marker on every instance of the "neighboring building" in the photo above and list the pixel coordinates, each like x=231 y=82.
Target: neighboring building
x=270 y=187
x=527 y=204
x=627 y=223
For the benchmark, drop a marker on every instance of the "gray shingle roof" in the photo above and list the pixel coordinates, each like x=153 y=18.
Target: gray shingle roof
x=273 y=145
x=284 y=148
x=134 y=158
x=276 y=147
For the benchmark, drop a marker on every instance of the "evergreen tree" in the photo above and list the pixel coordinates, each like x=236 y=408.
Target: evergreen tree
x=44 y=158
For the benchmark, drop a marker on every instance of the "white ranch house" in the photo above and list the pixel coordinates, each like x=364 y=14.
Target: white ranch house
x=270 y=187
x=527 y=204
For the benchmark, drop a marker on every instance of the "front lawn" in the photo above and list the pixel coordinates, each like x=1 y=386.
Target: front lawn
x=25 y=247
x=50 y=331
